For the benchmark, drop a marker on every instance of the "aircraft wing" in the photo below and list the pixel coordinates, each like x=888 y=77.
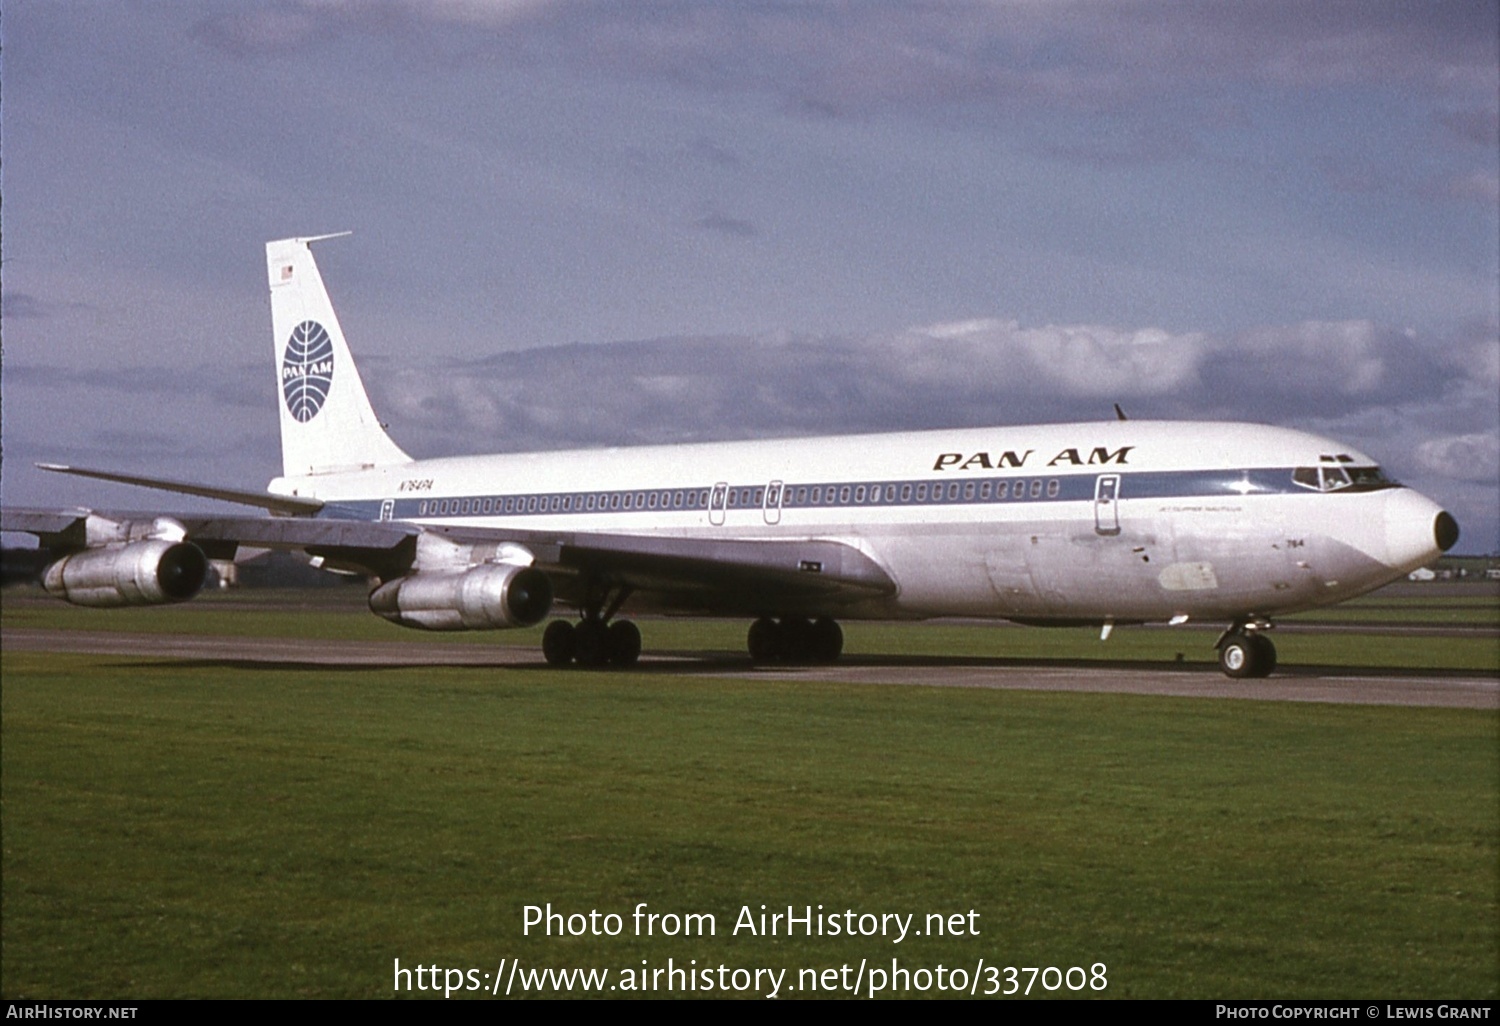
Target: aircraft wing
x=669 y=573
x=698 y=574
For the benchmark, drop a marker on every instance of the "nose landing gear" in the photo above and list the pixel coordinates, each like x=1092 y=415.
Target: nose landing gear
x=1246 y=652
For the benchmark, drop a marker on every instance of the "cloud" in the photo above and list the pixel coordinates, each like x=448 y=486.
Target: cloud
x=721 y=224
x=25 y=306
x=1477 y=125
x=1480 y=187
x=1470 y=457
x=953 y=374
x=246 y=386
x=848 y=59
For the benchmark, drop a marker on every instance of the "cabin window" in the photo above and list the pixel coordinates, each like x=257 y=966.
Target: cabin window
x=859 y=494
x=921 y=493
x=1036 y=488
x=968 y=491
x=953 y=491
x=1053 y=487
x=906 y=493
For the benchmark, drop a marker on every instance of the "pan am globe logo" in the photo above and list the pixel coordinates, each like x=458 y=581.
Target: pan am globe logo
x=307 y=370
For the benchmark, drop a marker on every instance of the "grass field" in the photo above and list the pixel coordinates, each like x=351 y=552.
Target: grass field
x=212 y=829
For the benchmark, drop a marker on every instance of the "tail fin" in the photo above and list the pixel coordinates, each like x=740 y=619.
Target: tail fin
x=327 y=423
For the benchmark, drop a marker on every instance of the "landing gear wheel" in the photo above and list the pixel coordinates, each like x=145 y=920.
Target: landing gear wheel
x=1247 y=655
x=1265 y=655
x=558 y=643
x=764 y=641
x=591 y=640
x=624 y=643
x=795 y=640
x=827 y=641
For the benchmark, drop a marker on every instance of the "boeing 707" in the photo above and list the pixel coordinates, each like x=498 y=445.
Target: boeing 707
x=1116 y=522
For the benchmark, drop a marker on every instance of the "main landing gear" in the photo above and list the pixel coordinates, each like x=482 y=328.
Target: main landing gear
x=1246 y=652
x=598 y=639
x=795 y=640
x=592 y=643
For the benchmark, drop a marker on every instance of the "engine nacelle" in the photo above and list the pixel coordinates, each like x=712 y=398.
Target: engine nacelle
x=143 y=573
x=484 y=597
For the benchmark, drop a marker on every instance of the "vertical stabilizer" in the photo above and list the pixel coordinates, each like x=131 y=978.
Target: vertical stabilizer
x=327 y=423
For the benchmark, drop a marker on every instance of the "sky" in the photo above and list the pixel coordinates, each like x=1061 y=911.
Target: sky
x=583 y=223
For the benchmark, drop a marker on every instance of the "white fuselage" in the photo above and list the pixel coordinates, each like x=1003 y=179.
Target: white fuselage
x=1123 y=521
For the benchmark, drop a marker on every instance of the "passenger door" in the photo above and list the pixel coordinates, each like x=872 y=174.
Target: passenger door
x=1107 y=504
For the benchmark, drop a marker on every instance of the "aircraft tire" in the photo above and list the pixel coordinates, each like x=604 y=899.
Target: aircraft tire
x=796 y=640
x=764 y=641
x=1265 y=655
x=624 y=643
x=591 y=639
x=559 y=643
x=827 y=639
x=1243 y=656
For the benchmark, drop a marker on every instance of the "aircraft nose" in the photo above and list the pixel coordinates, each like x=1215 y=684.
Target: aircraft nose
x=1445 y=530
x=1417 y=530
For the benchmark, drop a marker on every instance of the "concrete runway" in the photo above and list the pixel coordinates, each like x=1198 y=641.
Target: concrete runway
x=1467 y=690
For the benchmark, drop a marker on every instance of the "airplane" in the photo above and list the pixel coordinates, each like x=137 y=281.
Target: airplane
x=1085 y=524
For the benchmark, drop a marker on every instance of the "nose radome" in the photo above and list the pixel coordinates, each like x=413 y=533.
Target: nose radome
x=1445 y=531
x=1417 y=530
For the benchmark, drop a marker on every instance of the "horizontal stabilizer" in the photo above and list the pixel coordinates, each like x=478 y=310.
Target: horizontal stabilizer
x=289 y=504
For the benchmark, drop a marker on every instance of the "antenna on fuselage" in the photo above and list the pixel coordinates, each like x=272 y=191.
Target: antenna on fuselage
x=1119 y=413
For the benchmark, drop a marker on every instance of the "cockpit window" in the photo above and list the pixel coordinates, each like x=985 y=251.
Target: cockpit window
x=1338 y=478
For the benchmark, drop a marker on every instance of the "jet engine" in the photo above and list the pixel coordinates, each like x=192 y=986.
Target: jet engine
x=142 y=573
x=485 y=597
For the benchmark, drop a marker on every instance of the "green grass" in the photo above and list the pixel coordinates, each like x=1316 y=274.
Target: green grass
x=201 y=829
